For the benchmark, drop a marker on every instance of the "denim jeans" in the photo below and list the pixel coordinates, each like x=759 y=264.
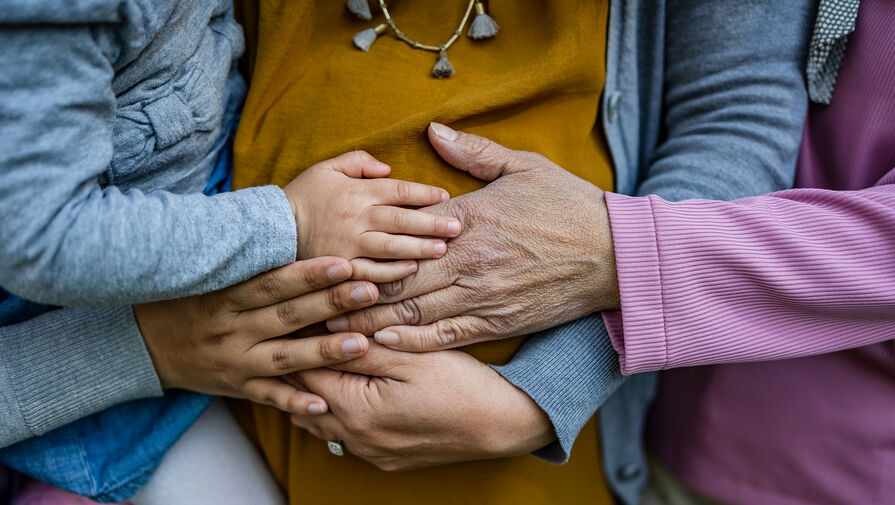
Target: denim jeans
x=108 y=456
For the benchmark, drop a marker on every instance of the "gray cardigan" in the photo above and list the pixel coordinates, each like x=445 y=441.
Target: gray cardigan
x=702 y=99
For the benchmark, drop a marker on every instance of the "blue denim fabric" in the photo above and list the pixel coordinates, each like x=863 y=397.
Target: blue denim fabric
x=108 y=456
x=14 y=309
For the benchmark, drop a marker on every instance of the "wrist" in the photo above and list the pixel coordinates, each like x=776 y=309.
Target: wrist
x=604 y=282
x=523 y=426
x=298 y=214
x=144 y=315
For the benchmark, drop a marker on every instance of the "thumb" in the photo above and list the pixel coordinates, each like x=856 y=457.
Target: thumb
x=480 y=157
x=358 y=164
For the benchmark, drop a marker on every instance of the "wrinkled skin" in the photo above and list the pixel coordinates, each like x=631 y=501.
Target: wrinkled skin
x=536 y=252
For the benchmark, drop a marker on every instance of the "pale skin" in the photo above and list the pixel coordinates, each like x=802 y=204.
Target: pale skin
x=536 y=252
x=346 y=207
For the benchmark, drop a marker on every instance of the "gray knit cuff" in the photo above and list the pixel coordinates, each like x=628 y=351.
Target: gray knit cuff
x=274 y=224
x=569 y=371
x=74 y=362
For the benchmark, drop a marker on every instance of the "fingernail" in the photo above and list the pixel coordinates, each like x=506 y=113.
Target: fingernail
x=445 y=196
x=386 y=337
x=453 y=227
x=338 y=324
x=338 y=272
x=443 y=132
x=362 y=294
x=412 y=267
x=440 y=248
x=316 y=408
x=353 y=346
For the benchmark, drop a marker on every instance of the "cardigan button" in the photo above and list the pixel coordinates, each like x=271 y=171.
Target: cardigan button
x=612 y=106
x=628 y=472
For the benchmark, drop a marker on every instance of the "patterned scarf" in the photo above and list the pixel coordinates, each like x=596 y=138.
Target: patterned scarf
x=835 y=22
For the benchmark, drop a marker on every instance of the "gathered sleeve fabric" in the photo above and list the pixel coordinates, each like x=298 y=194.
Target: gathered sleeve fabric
x=790 y=274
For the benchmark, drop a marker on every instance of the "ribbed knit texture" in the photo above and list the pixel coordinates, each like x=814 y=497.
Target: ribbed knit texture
x=541 y=368
x=50 y=393
x=805 y=274
x=756 y=279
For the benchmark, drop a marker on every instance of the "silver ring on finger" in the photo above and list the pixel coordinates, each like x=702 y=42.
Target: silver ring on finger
x=335 y=447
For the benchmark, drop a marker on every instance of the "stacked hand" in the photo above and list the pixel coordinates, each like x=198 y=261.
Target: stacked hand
x=228 y=342
x=346 y=207
x=536 y=251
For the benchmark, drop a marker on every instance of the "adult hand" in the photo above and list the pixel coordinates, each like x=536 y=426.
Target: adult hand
x=403 y=410
x=228 y=342
x=536 y=252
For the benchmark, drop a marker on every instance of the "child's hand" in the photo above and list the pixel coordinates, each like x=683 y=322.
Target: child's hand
x=344 y=207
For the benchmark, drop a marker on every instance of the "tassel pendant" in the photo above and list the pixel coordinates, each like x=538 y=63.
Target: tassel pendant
x=364 y=39
x=443 y=68
x=360 y=8
x=483 y=26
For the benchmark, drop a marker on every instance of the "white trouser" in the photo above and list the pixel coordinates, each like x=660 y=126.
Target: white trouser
x=213 y=463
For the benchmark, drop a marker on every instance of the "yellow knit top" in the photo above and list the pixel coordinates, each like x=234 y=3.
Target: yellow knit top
x=536 y=87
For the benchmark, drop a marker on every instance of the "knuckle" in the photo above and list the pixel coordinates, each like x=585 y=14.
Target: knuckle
x=268 y=398
x=270 y=286
x=280 y=357
x=394 y=288
x=357 y=157
x=400 y=220
x=447 y=333
x=337 y=299
x=403 y=190
x=311 y=277
x=363 y=322
x=326 y=352
x=409 y=311
x=479 y=146
x=287 y=313
x=391 y=246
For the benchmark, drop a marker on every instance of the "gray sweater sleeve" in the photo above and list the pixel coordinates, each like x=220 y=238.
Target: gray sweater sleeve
x=734 y=105
x=89 y=360
x=67 y=240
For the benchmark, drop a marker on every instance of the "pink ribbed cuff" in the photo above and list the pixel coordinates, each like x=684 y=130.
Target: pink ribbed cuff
x=638 y=334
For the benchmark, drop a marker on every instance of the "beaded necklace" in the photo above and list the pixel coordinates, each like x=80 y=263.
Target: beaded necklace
x=483 y=27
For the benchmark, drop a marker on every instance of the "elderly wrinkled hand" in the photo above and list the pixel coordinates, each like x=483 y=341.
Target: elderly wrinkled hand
x=536 y=252
x=409 y=410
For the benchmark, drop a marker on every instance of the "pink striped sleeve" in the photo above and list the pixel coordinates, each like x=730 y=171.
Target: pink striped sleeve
x=795 y=273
